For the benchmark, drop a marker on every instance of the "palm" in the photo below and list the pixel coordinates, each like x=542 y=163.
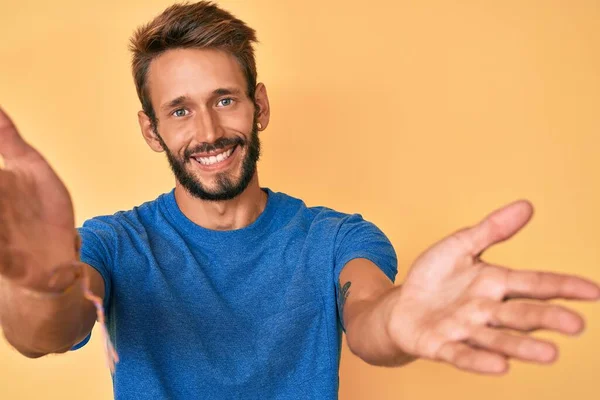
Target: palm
x=36 y=213
x=452 y=302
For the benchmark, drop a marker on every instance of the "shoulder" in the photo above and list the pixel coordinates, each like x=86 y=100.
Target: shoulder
x=134 y=218
x=296 y=210
x=341 y=226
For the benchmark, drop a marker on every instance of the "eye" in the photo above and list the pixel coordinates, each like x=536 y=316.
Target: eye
x=225 y=102
x=180 y=112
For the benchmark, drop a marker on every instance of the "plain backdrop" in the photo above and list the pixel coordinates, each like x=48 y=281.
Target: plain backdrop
x=423 y=116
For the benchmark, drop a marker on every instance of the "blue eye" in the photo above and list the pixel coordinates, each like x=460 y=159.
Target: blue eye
x=225 y=102
x=182 y=112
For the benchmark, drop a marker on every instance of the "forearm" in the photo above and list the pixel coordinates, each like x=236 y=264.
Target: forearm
x=37 y=324
x=368 y=334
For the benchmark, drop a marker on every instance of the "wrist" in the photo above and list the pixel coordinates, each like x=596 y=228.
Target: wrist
x=370 y=336
x=385 y=317
x=54 y=292
x=36 y=280
x=61 y=283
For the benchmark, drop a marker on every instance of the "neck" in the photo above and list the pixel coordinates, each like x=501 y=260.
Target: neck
x=224 y=215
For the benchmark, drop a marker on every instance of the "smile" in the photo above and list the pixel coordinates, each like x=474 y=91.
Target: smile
x=214 y=159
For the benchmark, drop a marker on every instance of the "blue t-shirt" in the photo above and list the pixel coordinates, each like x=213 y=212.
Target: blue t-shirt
x=250 y=313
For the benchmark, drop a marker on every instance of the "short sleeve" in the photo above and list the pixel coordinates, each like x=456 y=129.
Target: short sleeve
x=82 y=343
x=98 y=244
x=357 y=238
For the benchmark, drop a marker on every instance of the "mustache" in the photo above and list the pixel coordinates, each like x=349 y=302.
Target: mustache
x=219 y=144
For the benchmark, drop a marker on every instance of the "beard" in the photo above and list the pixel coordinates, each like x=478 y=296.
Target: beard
x=227 y=186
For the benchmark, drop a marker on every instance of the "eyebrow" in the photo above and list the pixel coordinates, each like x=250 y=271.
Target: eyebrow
x=224 y=91
x=178 y=101
x=174 y=103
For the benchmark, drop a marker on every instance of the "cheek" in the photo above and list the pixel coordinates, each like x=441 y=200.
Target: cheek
x=239 y=120
x=174 y=137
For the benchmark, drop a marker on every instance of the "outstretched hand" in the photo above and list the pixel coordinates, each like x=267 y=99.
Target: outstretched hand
x=37 y=232
x=456 y=308
x=39 y=247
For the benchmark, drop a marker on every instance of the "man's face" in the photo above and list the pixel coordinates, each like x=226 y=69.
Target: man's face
x=206 y=121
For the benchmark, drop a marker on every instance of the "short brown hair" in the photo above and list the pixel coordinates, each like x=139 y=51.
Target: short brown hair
x=201 y=25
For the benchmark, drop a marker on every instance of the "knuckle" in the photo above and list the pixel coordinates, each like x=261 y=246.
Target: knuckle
x=522 y=346
x=533 y=279
x=452 y=329
x=463 y=358
x=490 y=284
x=527 y=314
x=478 y=311
x=548 y=315
x=461 y=239
x=429 y=345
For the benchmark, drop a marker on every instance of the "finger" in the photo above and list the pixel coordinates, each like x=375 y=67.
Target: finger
x=524 y=348
x=528 y=317
x=548 y=285
x=498 y=226
x=470 y=359
x=12 y=144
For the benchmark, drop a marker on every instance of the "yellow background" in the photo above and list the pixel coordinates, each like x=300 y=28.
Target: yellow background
x=421 y=115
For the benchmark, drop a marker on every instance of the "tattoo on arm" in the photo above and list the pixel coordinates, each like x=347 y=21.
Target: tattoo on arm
x=344 y=291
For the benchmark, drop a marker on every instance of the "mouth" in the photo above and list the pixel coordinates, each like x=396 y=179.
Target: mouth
x=215 y=160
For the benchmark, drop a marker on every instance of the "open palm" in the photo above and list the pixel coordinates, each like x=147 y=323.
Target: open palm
x=456 y=308
x=36 y=214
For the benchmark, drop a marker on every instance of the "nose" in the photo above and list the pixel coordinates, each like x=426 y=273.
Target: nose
x=207 y=127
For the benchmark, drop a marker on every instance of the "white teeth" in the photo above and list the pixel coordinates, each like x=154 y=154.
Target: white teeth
x=214 y=159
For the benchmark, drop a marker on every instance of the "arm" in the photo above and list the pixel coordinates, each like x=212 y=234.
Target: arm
x=37 y=323
x=364 y=293
x=39 y=253
x=453 y=307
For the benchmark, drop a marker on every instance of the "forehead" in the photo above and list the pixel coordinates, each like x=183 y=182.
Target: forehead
x=193 y=72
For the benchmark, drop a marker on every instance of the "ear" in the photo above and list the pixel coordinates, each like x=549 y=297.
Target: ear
x=148 y=133
x=261 y=99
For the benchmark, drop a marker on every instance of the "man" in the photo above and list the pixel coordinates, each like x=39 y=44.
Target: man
x=224 y=289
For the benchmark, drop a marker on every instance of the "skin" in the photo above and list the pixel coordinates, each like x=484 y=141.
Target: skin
x=39 y=254
x=206 y=118
x=454 y=307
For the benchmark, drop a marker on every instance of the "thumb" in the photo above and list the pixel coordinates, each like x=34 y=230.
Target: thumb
x=12 y=145
x=499 y=226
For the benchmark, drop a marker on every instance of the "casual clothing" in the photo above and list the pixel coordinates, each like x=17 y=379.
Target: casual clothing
x=241 y=314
